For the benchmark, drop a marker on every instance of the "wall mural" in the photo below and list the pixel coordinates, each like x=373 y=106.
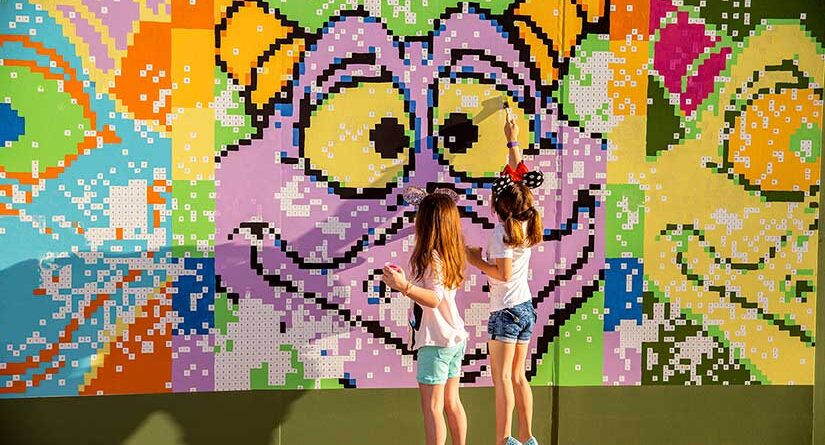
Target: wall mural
x=200 y=195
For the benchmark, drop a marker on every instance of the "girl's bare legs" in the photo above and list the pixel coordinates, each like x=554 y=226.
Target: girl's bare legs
x=456 y=417
x=501 y=365
x=523 y=393
x=432 y=407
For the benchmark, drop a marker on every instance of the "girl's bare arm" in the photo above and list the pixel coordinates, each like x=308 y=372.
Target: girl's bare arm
x=424 y=297
x=396 y=278
x=501 y=269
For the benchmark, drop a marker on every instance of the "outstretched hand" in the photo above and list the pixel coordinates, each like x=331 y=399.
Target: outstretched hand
x=511 y=128
x=473 y=255
x=511 y=133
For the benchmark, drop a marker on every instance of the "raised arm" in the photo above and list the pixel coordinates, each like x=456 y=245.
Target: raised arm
x=511 y=134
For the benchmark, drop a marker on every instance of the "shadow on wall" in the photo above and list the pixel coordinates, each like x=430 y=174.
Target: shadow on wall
x=150 y=418
x=168 y=419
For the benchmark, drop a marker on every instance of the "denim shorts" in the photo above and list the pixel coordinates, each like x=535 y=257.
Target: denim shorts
x=437 y=364
x=513 y=324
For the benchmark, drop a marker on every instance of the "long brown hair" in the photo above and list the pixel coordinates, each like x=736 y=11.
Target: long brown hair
x=438 y=229
x=514 y=206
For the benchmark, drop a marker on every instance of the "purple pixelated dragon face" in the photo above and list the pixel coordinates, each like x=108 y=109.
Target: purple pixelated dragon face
x=309 y=212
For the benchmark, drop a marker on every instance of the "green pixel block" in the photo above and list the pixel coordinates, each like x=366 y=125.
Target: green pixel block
x=624 y=234
x=48 y=137
x=236 y=125
x=259 y=377
x=579 y=349
x=402 y=18
x=193 y=226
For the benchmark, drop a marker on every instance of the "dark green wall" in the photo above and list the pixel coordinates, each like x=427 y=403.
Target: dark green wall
x=599 y=415
x=819 y=361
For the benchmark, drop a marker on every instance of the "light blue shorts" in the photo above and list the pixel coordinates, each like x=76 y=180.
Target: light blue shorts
x=437 y=364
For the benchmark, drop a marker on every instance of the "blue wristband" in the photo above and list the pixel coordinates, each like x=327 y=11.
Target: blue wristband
x=512 y=144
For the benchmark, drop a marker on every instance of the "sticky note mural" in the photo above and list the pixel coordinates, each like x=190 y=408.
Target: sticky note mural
x=200 y=195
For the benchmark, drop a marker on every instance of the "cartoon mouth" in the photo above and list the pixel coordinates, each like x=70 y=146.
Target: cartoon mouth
x=396 y=225
x=729 y=292
x=585 y=204
x=585 y=201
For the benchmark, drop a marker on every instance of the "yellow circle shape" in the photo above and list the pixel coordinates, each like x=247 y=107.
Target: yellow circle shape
x=481 y=103
x=338 y=141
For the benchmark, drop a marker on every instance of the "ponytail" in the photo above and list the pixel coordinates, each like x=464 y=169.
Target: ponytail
x=515 y=207
x=513 y=231
x=535 y=233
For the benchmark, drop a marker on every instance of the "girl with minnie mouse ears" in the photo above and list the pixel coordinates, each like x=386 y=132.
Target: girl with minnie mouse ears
x=512 y=316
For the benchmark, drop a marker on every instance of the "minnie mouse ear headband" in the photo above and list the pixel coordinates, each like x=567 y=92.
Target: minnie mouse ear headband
x=414 y=195
x=510 y=176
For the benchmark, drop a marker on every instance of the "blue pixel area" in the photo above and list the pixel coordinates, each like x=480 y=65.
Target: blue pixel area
x=623 y=291
x=195 y=298
x=13 y=125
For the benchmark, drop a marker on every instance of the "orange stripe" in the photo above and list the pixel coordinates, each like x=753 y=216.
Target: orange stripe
x=95 y=305
x=131 y=276
x=153 y=197
x=88 y=143
x=19 y=386
x=50 y=371
x=71 y=86
x=53 y=57
x=47 y=354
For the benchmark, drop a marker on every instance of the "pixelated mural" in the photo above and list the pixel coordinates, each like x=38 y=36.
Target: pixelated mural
x=199 y=195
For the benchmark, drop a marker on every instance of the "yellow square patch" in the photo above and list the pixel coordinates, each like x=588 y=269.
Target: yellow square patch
x=193 y=69
x=193 y=145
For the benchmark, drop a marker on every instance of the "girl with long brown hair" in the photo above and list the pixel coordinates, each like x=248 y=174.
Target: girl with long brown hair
x=512 y=316
x=437 y=269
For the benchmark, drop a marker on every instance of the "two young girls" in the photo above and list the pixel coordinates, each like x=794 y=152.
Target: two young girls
x=437 y=266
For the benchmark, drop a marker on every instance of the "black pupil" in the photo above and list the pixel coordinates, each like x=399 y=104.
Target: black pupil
x=388 y=138
x=458 y=133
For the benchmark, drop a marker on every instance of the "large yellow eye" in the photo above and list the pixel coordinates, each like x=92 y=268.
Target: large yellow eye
x=469 y=125
x=359 y=138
